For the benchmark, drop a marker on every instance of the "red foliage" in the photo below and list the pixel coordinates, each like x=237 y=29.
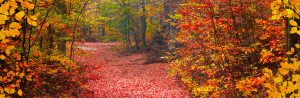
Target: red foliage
x=111 y=75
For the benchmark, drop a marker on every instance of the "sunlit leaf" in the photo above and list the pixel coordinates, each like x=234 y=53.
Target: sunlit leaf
x=20 y=15
x=295 y=77
x=4 y=41
x=4 y=8
x=283 y=71
x=7 y=90
x=285 y=1
x=2 y=96
x=20 y=93
x=27 y=5
x=297 y=45
x=21 y=75
x=8 y=49
x=294 y=30
x=278 y=79
x=293 y=23
x=294 y=59
x=15 y=25
x=289 y=12
x=3 y=18
x=12 y=10
x=13 y=32
x=12 y=91
x=2 y=57
x=31 y=22
x=33 y=17
x=289 y=53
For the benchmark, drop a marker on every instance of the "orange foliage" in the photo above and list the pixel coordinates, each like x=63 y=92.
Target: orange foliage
x=225 y=44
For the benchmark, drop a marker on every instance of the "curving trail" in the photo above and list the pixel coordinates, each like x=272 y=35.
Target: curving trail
x=112 y=75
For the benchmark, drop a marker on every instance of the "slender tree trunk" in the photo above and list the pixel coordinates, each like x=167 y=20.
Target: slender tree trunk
x=61 y=42
x=24 y=30
x=50 y=39
x=128 y=39
x=168 y=29
x=136 y=39
x=128 y=26
x=143 y=23
x=41 y=43
x=84 y=30
x=103 y=31
x=90 y=31
x=74 y=30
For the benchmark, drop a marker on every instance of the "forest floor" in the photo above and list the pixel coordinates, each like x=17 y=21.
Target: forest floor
x=111 y=74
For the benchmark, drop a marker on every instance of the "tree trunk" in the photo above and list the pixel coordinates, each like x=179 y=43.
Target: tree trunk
x=84 y=30
x=41 y=43
x=143 y=24
x=90 y=31
x=127 y=29
x=62 y=42
x=166 y=25
x=50 y=39
x=136 y=39
x=103 y=31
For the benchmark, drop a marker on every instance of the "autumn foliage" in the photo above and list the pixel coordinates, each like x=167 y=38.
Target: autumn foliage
x=216 y=48
x=27 y=69
x=235 y=48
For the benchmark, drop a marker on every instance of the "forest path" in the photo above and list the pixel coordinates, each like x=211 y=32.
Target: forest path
x=112 y=75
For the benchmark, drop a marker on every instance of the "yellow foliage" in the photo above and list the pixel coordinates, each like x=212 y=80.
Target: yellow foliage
x=283 y=71
x=293 y=23
x=15 y=25
x=27 y=5
x=294 y=30
x=8 y=49
x=20 y=93
x=287 y=85
x=287 y=80
x=31 y=22
x=3 y=18
x=2 y=57
x=12 y=32
x=20 y=15
x=2 y=96
x=12 y=15
x=4 y=8
x=202 y=90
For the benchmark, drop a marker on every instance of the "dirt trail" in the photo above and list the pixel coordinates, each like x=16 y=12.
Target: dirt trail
x=111 y=75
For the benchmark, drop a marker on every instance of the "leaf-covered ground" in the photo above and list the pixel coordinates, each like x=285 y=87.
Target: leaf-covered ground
x=111 y=75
